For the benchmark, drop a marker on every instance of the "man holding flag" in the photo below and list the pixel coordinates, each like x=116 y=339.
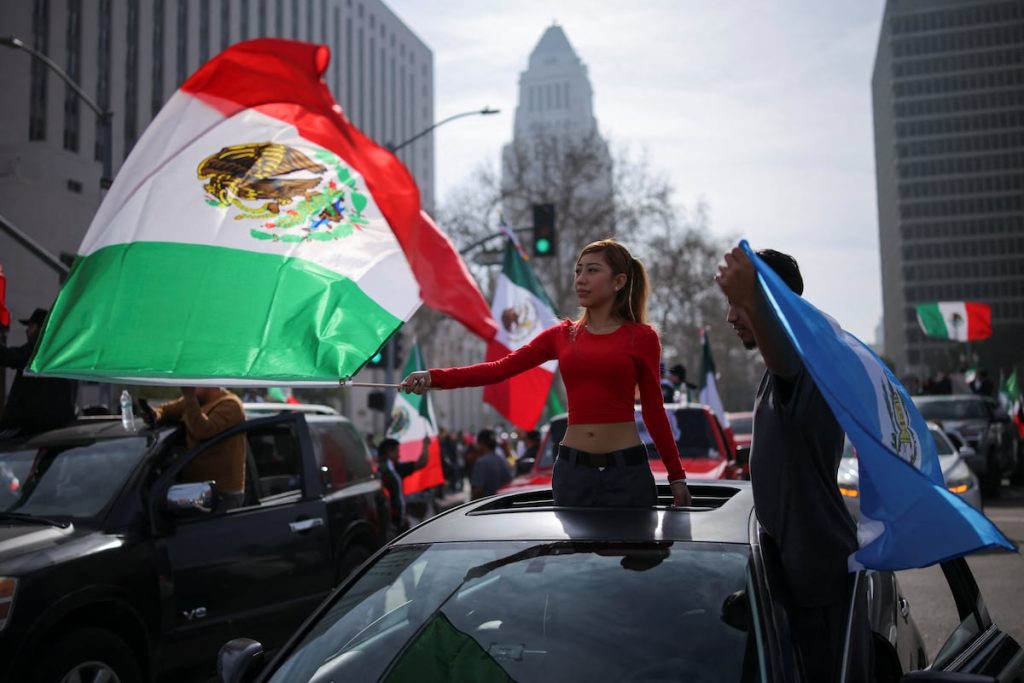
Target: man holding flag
x=795 y=458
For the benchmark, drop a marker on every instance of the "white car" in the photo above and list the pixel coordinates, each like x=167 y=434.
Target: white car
x=959 y=478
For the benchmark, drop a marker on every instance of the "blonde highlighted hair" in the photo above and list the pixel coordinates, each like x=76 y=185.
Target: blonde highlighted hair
x=630 y=301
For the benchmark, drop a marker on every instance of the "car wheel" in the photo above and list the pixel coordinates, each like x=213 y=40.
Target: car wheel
x=992 y=479
x=89 y=655
x=351 y=561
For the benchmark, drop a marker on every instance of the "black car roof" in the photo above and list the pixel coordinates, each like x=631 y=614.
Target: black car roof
x=84 y=430
x=721 y=514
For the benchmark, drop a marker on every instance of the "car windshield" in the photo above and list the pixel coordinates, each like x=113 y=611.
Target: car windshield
x=692 y=432
x=523 y=611
x=741 y=424
x=942 y=444
x=966 y=409
x=75 y=481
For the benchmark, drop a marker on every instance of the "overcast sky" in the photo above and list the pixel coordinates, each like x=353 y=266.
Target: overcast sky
x=763 y=109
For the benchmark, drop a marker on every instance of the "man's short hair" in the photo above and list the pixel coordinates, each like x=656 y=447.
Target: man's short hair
x=485 y=437
x=785 y=266
x=386 y=446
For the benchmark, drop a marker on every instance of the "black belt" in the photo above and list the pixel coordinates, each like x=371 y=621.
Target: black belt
x=635 y=455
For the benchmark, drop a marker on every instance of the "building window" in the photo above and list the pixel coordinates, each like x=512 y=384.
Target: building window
x=204 y=31
x=323 y=20
x=279 y=18
x=74 y=186
x=261 y=17
x=337 y=42
x=243 y=27
x=73 y=42
x=349 y=66
x=39 y=71
x=225 y=24
x=102 y=77
x=361 y=97
x=156 y=94
x=181 y=69
x=131 y=77
x=295 y=19
x=371 y=124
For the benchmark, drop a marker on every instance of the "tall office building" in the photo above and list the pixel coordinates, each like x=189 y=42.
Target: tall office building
x=130 y=56
x=557 y=156
x=948 y=90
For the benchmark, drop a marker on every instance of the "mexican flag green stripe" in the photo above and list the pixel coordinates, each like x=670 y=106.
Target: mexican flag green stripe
x=265 y=321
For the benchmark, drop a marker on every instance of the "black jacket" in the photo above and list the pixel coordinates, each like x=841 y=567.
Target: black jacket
x=35 y=403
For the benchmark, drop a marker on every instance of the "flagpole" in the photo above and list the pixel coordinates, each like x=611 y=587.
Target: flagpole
x=370 y=385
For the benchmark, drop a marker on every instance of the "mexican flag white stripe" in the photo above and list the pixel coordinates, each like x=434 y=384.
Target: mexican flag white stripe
x=956 y=320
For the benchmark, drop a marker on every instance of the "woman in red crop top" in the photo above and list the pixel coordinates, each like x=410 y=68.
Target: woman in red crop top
x=603 y=357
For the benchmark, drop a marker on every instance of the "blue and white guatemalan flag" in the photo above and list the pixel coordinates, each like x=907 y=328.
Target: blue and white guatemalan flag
x=907 y=517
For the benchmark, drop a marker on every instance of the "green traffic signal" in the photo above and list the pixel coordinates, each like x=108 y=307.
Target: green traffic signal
x=542 y=246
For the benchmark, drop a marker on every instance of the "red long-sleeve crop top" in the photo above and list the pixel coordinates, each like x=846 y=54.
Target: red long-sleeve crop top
x=600 y=373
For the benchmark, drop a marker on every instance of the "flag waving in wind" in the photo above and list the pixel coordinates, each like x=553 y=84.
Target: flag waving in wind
x=412 y=419
x=907 y=517
x=253 y=236
x=524 y=311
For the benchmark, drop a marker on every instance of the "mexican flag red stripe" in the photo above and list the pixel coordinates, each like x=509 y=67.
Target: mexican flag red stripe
x=525 y=311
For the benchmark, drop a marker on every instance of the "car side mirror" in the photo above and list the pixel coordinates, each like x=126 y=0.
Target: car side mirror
x=736 y=611
x=966 y=452
x=946 y=677
x=189 y=499
x=742 y=455
x=239 y=661
x=524 y=465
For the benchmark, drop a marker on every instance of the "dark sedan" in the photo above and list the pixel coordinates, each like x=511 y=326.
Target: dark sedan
x=512 y=588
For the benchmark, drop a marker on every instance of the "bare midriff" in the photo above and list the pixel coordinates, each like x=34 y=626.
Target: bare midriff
x=602 y=438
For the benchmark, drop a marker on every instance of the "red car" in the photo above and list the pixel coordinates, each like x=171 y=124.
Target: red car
x=743 y=432
x=703 y=447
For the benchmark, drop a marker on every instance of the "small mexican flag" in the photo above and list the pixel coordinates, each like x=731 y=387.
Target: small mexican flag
x=957 y=320
x=523 y=310
x=412 y=418
x=253 y=237
x=709 y=383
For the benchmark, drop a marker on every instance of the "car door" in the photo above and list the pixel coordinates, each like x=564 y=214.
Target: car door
x=976 y=645
x=254 y=571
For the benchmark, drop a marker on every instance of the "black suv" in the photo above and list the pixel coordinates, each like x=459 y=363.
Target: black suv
x=977 y=422
x=110 y=567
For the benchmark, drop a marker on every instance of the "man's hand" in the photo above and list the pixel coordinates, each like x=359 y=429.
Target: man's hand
x=738 y=279
x=416 y=383
x=681 y=497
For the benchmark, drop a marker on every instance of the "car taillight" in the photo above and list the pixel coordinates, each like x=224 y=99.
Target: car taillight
x=7 y=589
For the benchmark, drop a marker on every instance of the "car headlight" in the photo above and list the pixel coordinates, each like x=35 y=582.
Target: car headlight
x=959 y=486
x=8 y=586
x=959 y=479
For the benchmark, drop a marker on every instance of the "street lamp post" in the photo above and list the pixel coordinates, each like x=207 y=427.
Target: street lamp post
x=389 y=348
x=104 y=115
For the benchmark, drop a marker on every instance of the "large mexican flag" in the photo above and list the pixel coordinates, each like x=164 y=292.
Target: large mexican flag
x=957 y=320
x=523 y=310
x=253 y=236
x=412 y=419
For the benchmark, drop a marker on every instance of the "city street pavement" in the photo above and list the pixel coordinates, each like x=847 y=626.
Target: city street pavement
x=1000 y=576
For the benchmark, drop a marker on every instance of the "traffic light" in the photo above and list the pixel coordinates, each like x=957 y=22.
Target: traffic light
x=377 y=359
x=544 y=230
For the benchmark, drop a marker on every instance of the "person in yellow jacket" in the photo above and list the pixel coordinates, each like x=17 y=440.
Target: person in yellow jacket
x=206 y=412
